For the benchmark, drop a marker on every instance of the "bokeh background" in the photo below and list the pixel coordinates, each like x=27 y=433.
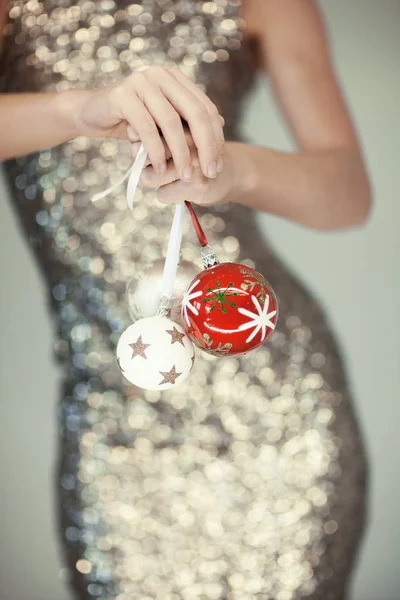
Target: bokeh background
x=355 y=274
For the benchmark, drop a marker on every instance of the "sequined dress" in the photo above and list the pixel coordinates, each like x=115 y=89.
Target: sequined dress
x=248 y=480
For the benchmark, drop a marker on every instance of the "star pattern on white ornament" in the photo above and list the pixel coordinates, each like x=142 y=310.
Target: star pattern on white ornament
x=259 y=321
x=139 y=348
x=169 y=376
x=176 y=336
x=187 y=301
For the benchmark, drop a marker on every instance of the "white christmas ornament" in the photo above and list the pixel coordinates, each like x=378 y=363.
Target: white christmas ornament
x=155 y=353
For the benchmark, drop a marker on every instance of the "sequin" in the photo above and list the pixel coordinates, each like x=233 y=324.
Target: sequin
x=244 y=483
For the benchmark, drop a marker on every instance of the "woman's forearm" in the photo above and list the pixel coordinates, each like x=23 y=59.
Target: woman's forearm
x=33 y=122
x=323 y=190
x=147 y=105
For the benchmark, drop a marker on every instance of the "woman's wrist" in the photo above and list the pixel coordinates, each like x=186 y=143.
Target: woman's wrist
x=243 y=174
x=69 y=106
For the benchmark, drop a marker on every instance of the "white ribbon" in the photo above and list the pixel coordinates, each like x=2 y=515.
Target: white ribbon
x=175 y=237
x=133 y=173
x=173 y=253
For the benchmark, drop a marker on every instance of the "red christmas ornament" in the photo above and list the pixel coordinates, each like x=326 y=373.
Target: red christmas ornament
x=229 y=308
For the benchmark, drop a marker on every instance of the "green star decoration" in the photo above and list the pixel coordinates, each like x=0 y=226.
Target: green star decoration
x=219 y=297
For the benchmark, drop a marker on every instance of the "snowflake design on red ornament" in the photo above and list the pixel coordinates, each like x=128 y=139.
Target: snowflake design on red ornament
x=187 y=301
x=259 y=321
x=220 y=350
x=254 y=279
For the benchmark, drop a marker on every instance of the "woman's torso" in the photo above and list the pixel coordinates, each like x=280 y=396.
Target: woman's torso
x=268 y=440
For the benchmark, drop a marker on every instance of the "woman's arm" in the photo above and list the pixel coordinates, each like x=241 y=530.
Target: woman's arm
x=33 y=122
x=323 y=189
x=325 y=184
x=150 y=106
x=138 y=107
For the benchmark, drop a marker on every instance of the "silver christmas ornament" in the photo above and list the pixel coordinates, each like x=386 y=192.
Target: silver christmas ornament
x=143 y=291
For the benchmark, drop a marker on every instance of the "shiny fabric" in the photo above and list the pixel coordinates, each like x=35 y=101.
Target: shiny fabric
x=248 y=480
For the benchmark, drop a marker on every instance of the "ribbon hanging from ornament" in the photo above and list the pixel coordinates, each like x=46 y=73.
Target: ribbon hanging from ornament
x=134 y=172
x=175 y=238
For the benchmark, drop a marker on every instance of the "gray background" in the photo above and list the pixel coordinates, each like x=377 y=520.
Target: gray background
x=355 y=274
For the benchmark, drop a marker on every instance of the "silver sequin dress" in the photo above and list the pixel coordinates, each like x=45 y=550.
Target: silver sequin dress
x=248 y=480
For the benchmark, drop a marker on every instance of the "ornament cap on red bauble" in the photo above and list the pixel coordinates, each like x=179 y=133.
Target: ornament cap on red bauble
x=229 y=309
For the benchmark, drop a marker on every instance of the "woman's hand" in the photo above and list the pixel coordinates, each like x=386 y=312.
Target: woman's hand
x=229 y=185
x=151 y=104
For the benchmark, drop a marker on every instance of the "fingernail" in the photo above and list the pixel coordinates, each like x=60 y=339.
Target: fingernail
x=187 y=173
x=220 y=164
x=212 y=169
x=161 y=168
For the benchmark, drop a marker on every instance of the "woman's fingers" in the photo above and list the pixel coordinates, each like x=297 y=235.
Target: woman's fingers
x=170 y=123
x=217 y=121
x=140 y=120
x=157 y=104
x=197 y=116
x=151 y=179
x=178 y=191
x=136 y=145
x=132 y=134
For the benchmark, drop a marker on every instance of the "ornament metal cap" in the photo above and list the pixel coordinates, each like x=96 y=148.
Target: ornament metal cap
x=208 y=257
x=164 y=308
